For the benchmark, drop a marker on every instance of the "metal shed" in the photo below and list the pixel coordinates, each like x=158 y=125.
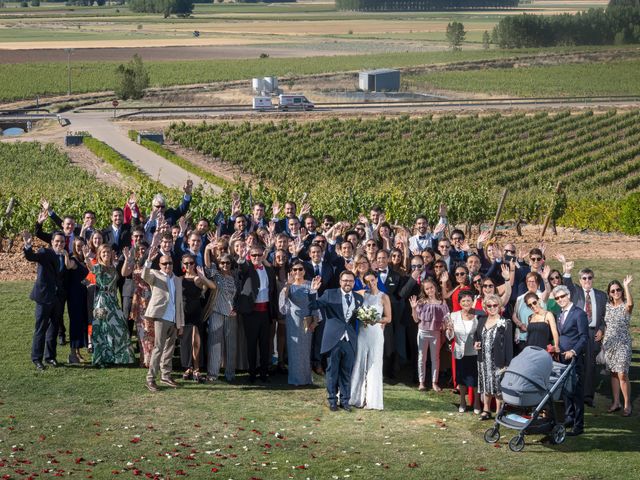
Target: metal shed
x=381 y=80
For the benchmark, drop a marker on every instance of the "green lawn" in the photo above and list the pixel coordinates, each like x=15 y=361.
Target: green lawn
x=104 y=424
x=582 y=79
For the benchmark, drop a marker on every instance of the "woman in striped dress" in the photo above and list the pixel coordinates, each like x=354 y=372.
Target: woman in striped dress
x=223 y=322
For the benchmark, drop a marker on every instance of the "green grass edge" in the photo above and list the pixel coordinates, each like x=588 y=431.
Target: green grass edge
x=180 y=161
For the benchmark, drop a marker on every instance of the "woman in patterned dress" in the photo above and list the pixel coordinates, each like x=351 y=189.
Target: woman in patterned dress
x=110 y=333
x=617 y=342
x=494 y=343
x=141 y=295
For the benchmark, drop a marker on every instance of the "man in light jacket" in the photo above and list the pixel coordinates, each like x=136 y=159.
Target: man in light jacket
x=165 y=307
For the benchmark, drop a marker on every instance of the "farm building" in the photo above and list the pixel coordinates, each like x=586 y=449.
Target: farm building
x=382 y=80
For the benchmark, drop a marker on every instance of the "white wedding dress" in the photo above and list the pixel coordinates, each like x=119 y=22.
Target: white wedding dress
x=366 y=378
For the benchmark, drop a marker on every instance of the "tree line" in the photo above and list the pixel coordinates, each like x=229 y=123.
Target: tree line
x=618 y=24
x=420 y=5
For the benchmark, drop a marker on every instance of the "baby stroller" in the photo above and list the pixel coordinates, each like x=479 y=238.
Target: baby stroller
x=532 y=379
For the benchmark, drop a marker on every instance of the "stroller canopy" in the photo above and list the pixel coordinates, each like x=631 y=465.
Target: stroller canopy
x=532 y=366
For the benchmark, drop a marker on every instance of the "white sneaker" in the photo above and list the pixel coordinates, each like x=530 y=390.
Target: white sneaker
x=462 y=409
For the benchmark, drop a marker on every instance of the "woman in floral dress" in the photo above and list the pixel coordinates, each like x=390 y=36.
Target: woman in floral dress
x=110 y=334
x=141 y=296
x=617 y=342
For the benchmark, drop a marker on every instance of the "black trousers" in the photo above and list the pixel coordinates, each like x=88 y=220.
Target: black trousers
x=46 y=330
x=590 y=371
x=574 y=403
x=256 y=330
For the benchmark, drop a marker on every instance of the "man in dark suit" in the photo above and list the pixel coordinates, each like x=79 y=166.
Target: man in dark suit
x=258 y=305
x=339 y=341
x=48 y=293
x=317 y=267
x=593 y=302
x=390 y=282
x=573 y=328
x=118 y=235
x=169 y=249
x=68 y=225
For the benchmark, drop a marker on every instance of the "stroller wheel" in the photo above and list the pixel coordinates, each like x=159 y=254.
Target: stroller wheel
x=492 y=435
x=516 y=444
x=558 y=434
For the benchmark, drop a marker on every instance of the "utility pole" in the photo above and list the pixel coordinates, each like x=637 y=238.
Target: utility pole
x=68 y=51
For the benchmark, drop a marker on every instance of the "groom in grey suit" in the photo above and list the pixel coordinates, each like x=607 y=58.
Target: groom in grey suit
x=339 y=339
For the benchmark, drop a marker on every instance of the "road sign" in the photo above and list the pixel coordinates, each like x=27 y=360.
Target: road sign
x=115 y=103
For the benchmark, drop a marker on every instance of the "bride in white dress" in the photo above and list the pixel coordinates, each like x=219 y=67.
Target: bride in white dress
x=366 y=378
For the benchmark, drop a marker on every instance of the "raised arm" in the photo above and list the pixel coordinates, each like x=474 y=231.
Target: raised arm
x=627 y=292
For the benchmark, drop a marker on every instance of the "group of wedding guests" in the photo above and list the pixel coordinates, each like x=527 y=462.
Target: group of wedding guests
x=357 y=302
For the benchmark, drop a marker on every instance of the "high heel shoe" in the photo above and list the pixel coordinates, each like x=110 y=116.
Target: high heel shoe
x=188 y=375
x=614 y=408
x=627 y=412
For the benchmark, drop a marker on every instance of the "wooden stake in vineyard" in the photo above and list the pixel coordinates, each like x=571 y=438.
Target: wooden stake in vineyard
x=551 y=208
x=498 y=212
x=4 y=220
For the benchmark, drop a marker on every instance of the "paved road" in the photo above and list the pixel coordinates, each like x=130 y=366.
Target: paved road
x=100 y=127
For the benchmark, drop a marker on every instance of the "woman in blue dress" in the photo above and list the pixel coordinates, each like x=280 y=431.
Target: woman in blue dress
x=294 y=304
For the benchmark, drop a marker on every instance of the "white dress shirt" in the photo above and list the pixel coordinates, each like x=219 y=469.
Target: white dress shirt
x=263 y=289
x=347 y=309
x=594 y=317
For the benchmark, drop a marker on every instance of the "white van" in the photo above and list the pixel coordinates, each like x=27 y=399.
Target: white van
x=262 y=103
x=294 y=102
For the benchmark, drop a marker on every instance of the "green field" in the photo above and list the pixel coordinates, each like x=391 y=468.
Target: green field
x=22 y=81
x=407 y=165
x=585 y=79
x=83 y=422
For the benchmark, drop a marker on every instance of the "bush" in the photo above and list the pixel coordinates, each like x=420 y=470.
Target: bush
x=630 y=214
x=24 y=4
x=132 y=79
x=35 y=3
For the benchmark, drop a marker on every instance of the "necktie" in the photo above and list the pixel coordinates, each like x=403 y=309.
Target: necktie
x=316 y=270
x=116 y=236
x=66 y=243
x=561 y=318
x=587 y=305
x=61 y=261
x=347 y=297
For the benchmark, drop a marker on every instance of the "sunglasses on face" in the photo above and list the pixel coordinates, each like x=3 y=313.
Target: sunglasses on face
x=188 y=263
x=493 y=305
x=460 y=274
x=536 y=259
x=555 y=277
x=158 y=206
x=416 y=267
x=255 y=255
x=531 y=304
x=488 y=285
x=369 y=245
x=224 y=263
x=615 y=290
x=164 y=264
x=297 y=269
x=560 y=297
x=438 y=266
x=587 y=277
x=477 y=281
x=510 y=251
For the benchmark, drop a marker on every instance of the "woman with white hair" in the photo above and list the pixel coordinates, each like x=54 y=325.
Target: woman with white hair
x=493 y=342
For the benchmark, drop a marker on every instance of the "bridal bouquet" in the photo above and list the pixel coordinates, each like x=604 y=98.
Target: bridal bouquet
x=368 y=316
